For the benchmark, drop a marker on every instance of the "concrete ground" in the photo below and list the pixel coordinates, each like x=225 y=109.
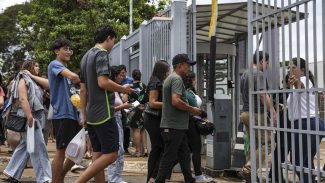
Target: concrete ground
x=134 y=169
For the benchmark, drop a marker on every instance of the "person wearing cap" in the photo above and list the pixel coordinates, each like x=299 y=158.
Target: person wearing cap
x=174 y=121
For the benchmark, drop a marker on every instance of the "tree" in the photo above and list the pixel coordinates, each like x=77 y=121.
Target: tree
x=11 y=52
x=75 y=20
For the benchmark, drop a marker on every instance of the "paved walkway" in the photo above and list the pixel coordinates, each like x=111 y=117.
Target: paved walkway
x=135 y=169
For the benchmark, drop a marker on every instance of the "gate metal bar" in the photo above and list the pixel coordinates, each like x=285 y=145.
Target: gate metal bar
x=265 y=19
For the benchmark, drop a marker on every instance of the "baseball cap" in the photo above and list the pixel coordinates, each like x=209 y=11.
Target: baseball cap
x=182 y=58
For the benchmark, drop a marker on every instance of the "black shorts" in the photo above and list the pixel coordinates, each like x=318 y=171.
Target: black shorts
x=64 y=130
x=104 y=137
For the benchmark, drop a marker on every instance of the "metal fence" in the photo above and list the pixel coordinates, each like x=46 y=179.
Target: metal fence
x=289 y=31
x=160 y=38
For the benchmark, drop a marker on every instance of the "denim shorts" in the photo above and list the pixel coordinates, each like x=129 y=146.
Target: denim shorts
x=104 y=137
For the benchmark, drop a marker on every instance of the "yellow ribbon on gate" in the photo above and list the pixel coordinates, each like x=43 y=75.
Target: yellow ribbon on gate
x=214 y=17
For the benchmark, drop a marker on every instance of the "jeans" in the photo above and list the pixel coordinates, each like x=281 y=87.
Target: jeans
x=176 y=149
x=40 y=159
x=306 y=146
x=281 y=145
x=152 y=125
x=114 y=170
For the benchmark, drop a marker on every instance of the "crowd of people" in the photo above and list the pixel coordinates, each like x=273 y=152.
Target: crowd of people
x=111 y=103
x=300 y=114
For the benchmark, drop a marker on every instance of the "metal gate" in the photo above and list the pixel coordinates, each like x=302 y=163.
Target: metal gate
x=286 y=126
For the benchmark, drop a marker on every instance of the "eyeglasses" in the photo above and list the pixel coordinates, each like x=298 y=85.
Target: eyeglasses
x=68 y=50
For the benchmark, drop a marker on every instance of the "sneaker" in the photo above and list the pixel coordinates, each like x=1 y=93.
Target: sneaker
x=9 y=178
x=203 y=178
x=123 y=181
x=77 y=167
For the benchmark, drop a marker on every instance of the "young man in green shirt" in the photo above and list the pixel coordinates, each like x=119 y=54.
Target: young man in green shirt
x=175 y=119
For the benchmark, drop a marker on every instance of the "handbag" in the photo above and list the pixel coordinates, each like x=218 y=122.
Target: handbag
x=204 y=127
x=16 y=123
x=151 y=111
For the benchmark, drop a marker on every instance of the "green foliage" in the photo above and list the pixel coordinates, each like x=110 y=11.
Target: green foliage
x=76 y=20
x=10 y=49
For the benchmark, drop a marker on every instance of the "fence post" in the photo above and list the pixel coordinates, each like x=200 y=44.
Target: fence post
x=178 y=28
x=144 y=65
x=124 y=54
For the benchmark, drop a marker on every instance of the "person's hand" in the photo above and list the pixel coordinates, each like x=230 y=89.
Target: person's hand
x=127 y=89
x=292 y=80
x=27 y=72
x=195 y=111
x=30 y=120
x=127 y=105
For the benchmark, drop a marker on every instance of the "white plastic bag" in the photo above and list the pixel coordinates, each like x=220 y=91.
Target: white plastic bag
x=77 y=147
x=31 y=138
x=50 y=113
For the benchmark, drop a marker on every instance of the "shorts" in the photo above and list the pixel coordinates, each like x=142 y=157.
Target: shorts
x=104 y=137
x=64 y=130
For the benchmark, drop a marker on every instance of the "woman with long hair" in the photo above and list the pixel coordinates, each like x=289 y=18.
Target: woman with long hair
x=152 y=121
x=114 y=170
x=301 y=108
x=193 y=135
x=30 y=96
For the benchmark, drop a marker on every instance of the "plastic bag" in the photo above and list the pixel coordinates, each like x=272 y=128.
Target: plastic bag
x=77 y=147
x=50 y=113
x=31 y=138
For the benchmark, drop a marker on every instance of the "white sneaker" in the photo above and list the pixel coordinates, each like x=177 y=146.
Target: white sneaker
x=77 y=167
x=123 y=181
x=203 y=178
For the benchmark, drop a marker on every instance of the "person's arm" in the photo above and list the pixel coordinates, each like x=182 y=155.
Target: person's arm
x=105 y=83
x=153 y=99
x=125 y=105
x=23 y=99
x=180 y=104
x=41 y=81
x=70 y=75
x=266 y=98
x=83 y=103
x=103 y=73
x=1 y=101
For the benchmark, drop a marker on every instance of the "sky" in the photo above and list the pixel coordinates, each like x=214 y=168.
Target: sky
x=5 y=3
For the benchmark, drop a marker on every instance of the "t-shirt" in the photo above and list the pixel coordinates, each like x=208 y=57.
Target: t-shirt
x=127 y=80
x=100 y=102
x=117 y=102
x=258 y=85
x=293 y=102
x=171 y=116
x=60 y=92
x=155 y=84
x=190 y=95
